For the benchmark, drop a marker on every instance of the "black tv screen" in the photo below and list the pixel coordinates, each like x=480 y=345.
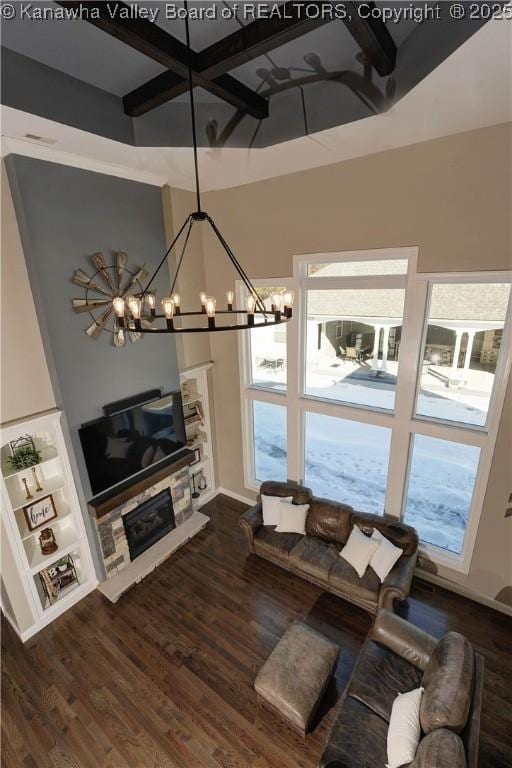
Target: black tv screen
x=122 y=444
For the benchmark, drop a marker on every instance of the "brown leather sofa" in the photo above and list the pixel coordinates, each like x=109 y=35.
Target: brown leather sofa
x=315 y=557
x=398 y=657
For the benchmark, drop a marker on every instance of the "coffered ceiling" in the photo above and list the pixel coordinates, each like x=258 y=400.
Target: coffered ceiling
x=260 y=78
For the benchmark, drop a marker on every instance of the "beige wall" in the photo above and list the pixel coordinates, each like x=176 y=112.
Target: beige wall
x=25 y=381
x=451 y=197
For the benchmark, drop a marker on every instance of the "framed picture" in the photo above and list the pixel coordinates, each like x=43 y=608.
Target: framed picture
x=197 y=456
x=40 y=512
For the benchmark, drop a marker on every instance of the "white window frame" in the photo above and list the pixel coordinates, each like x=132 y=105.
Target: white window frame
x=402 y=421
x=250 y=392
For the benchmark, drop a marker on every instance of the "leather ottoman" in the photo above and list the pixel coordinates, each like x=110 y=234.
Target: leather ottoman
x=292 y=681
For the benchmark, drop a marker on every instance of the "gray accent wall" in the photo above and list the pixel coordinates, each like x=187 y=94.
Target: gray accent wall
x=64 y=215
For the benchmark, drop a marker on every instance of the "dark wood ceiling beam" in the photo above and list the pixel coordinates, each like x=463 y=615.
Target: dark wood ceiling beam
x=155 y=43
x=373 y=38
x=259 y=37
x=246 y=44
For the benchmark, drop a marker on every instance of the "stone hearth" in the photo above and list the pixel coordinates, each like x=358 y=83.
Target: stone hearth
x=110 y=527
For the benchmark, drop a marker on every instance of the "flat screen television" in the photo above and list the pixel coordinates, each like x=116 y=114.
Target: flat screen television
x=133 y=436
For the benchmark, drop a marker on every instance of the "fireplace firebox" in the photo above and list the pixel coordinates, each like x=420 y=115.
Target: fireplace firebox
x=146 y=524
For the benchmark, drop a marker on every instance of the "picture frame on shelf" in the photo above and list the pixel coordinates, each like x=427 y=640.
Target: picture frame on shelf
x=40 y=512
x=197 y=456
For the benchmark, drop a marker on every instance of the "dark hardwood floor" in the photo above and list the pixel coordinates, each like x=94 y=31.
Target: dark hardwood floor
x=164 y=678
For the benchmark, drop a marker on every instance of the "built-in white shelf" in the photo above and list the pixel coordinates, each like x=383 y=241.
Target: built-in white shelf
x=48 y=453
x=194 y=386
x=27 y=606
x=67 y=539
x=18 y=496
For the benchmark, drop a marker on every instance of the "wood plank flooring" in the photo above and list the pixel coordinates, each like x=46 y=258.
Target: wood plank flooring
x=164 y=677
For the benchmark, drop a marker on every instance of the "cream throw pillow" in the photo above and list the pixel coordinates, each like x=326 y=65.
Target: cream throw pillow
x=292 y=518
x=270 y=506
x=404 y=729
x=385 y=556
x=358 y=550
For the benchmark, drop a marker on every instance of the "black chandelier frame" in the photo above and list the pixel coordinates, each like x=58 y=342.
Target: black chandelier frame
x=275 y=316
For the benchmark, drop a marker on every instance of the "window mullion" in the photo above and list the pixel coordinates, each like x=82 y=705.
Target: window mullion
x=412 y=330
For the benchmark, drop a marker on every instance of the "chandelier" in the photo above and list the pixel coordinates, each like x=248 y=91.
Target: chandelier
x=138 y=311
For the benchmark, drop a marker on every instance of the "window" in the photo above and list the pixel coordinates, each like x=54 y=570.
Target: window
x=441 y=484
x=269 y=436
x=268 y=350
x=392 y=391
x=347 y=461
x=358 y=268
x=461 y=350
x=354 y=359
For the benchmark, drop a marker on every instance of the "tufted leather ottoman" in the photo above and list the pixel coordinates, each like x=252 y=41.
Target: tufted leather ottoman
x=294 y=677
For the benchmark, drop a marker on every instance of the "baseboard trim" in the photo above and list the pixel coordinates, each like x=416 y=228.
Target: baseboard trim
x=236 y=496
x=459 y=589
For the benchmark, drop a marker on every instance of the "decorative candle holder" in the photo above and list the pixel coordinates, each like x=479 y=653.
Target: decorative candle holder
x=28 y=495
x=39 y=487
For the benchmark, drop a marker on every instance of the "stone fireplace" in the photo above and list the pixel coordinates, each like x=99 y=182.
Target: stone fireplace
x=146 y=524
x=132 y=522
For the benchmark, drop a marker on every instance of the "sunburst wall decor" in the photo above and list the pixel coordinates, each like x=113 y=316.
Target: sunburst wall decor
x=101 y=288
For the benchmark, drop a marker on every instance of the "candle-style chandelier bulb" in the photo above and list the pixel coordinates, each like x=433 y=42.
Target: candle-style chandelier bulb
x=177 y=303
x=118 y=305
x=202 y=298
x=135 y=307
x=210 y=311
x=277 y=306
x=229 y=298
x=151 y=302
x=277 y=301
x=168 y=307
x=288 y=298
x=250 y=303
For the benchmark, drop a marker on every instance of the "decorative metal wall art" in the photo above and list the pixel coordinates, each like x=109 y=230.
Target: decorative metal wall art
x=109 y=281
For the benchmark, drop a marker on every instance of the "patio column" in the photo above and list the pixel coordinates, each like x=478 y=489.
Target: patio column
x=385 y=344
x=469 y=349
x=375 y=353
x=456 y=351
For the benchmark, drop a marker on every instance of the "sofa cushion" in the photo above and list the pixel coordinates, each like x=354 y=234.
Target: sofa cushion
x=440 y=749
x=299 y=493
x=270 y=506
x=400 y=534
x=314 y=556
x=276 y=545
x=448 y=684
x=358 y=738
x=345 y=580
x=379 y=676
x=329 y=520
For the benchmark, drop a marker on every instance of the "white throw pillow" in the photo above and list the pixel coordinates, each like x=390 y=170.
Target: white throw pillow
x=404 y=729
x=358 y=550
x=270 y=506
x=385 y=556
x=292 y=518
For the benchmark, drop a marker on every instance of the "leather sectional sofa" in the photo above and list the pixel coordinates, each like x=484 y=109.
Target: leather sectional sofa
x=398 y=657
x=315 y=557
